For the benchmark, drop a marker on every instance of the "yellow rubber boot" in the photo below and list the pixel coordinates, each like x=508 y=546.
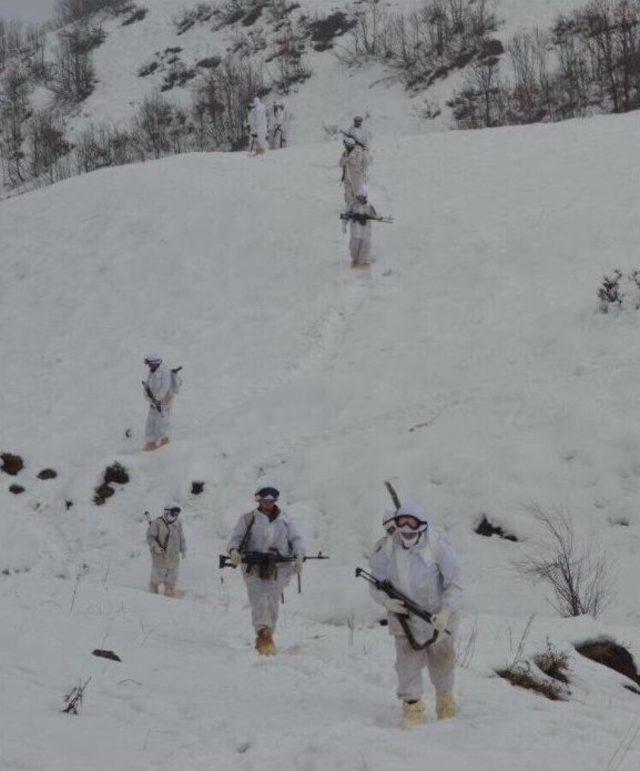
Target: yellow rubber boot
x=413 y=714
x=445 y=705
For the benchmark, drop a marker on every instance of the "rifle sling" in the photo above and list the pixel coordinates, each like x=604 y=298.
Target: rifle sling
x=404 y=623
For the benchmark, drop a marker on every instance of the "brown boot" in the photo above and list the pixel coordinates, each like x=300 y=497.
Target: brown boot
x=264 y=642
x=445 y=705
x=413 y=713
x=150 y=447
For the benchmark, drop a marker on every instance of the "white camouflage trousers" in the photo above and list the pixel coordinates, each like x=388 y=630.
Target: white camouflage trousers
x=264 y=598
x=360 y=250
x=163 y=574
x=440 y=660
x=158 y=425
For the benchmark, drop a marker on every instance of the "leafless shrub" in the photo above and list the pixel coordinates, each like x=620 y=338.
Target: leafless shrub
x=521 y=676
x=609 y=291
x=14 y=112
x=97 y=148
x=46 y=143
x=74 y=70
x=74 y=698
x=424 y=44
x=553 y=663
x=577 y=574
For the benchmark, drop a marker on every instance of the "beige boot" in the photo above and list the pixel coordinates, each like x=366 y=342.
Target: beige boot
x=150 y=447
x=413 y=713
x=445 y=705
x=264 y=642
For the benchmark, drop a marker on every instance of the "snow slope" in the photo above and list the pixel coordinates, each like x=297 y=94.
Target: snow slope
x=471 y=367
x=330 y=97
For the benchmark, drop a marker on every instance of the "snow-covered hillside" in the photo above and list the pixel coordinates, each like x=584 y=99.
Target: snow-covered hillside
x=471 y=367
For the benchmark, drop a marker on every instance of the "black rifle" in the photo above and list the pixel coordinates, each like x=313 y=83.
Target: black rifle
x=412 y=608
x=357 y=141
x=264 y=559
x=152 y=398
x=362 y=218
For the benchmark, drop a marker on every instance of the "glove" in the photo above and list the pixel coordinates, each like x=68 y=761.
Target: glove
x=441 y=619
x=235 y=557
x=157 y=549
x=394 y=605
x=298 y=563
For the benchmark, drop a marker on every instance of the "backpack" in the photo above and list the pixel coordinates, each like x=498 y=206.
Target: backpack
x=176 y=380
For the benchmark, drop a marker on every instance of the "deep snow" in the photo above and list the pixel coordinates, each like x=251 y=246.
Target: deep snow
x=477 y=328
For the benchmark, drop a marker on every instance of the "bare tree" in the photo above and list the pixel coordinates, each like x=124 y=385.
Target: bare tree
x=46 y=143
x=75 y=73
x=577 y=574
x=14 y=111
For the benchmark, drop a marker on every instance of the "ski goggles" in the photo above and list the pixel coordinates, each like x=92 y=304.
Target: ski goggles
x=267 y=494
x=172 y=511
x=409 y=523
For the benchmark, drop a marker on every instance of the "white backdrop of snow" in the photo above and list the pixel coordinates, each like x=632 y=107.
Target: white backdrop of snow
x=478 y=324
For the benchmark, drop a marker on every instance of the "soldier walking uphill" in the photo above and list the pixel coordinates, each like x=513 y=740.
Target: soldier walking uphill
x=417 y=561
x=354 y=163
x=167 y=544
x=266 y=530
x=158 y=391
x=359 y=216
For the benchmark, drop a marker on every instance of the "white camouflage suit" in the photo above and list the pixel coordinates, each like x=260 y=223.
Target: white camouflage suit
x=428 y=573
x=360 y=234
x=258 y=126
x=281 y=535
x=354 y=164
x=158 y=424
x=166 y=542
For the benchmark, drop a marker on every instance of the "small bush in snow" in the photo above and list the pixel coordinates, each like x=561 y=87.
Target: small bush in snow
x=11 y=464
x=619 y=291
x=73 y=699
x=137 y=15
x=47 y=473
x=553 y=663
x=577 y=574
x=520 y=675
x=609 y=291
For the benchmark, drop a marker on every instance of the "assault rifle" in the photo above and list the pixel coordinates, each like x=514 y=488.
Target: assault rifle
x=362 y=218
x=412 y=608
x=357 y=141
x=151 y=397
x=264 y=559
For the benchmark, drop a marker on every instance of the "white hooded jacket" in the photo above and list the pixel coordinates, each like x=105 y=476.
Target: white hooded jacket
x=159 y=383
x=258 y=121
x=280 y=534
x=427 y=573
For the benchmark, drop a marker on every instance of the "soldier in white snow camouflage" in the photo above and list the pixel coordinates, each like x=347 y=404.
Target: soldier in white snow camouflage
x=354 y=164
x=420 y=563
x=266 y=530
x=359 y=216
x=159 y=393
x=167 y=545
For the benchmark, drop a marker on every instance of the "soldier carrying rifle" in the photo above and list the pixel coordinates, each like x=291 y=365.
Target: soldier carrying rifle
x=268 y=531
